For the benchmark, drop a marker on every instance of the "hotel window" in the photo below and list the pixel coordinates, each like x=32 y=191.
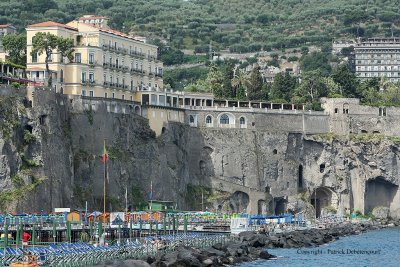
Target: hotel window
x=123 y=82
x=115 y=45
x=104 y=78
x=111 y=79
x=136 y=65
x=123 y=97
x=91 y=93
x=91 y=58
x=130 y=49
x=141 y=66
x=113 y=95
x=78 y=58
x=91 y=77
x=131 y=85
x=83 y=77
x=131 y=98
x=84 y=92
x=117 y=82
x=34 y=57
x=105 y=95
x=110 y=60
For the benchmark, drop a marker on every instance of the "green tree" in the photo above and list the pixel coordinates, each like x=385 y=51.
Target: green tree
x=312 y=87
x=240 y=81
x=15 y=46
x=254 y=89
x=45 y=43
x=283 y=86
x=65 y=47
x=315 y=61
x=215 y=79
x=228 y=90
x=346 y=79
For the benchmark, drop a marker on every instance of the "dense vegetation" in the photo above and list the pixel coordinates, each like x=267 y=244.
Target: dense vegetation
x=239 y=25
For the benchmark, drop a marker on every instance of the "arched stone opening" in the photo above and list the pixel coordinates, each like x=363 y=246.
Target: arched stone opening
x=137 y=110
x=209 y=121
x=280 y=205
x=262 y=207
x=163 y=130
x=321 y=198
x=226 y=120
x=239 y=202
x=202 y=167
x=378 y=192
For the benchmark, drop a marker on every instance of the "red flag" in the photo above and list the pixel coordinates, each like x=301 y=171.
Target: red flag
x=105 y=154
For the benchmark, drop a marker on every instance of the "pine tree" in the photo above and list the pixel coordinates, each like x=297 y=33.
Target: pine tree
x=254 y=89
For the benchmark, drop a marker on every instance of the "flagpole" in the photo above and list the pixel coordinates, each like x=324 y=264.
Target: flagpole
x=104 y=187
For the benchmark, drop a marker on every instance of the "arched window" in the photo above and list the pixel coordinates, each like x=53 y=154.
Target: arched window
x=242 y=121
x=191 y=119
x=224 y=119
x=208 y=119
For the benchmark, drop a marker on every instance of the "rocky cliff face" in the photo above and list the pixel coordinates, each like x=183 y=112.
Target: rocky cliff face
x=50 y=157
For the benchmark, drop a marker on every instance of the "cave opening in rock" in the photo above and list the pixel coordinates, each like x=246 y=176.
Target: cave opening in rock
x=239 y=202
x=321 y=198
x=29 y=128
x=378 y=192
x=280 y=205
x=300 y=178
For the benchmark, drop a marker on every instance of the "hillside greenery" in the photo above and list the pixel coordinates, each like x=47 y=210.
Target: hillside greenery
x=241 y=26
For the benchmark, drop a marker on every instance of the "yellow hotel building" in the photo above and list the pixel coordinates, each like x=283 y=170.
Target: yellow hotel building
x=106 y=63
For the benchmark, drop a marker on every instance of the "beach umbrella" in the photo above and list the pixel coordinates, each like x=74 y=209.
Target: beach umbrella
x=18 y=236
x=5 y=236
x=185 y=223
x=54 y=231
x=33 y=234
x=68 y=232
x=165 y=224
x=130 y=227
x=100 y=228
x=90 y=229
x=150 y=225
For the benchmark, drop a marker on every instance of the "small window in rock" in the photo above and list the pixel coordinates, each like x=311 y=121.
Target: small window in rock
x=287 y=184
x=268 y=189
x=322 y=168
x=42 y=119
x=275 y=151
x=364 y=131
x=163 y=130
x=336 y=110
x=253 y=123
x=376 y=132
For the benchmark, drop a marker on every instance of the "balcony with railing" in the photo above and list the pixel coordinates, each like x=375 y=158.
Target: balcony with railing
x=137 y=71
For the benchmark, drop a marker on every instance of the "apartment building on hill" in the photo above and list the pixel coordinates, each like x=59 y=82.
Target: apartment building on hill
x=107 y=63
x=378 y=57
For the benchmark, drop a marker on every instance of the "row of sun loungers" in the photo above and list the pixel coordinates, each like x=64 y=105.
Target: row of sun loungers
x=81 y=254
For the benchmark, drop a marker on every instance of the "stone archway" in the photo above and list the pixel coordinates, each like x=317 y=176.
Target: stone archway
x=378 y=192
x=239 y=202
x=321 y=198
x=279 y=205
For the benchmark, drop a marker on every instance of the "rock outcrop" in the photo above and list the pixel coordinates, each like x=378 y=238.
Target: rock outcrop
x=50 y=157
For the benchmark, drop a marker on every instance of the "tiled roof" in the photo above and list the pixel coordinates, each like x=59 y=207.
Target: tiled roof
x=107 y=30
x=52 y=24
x=89 y=17
x=2 y=26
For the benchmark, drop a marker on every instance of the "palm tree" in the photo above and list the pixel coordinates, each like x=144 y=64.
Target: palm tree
x=240 y=80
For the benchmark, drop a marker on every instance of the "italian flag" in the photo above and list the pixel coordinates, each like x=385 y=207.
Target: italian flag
x=105 y=155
